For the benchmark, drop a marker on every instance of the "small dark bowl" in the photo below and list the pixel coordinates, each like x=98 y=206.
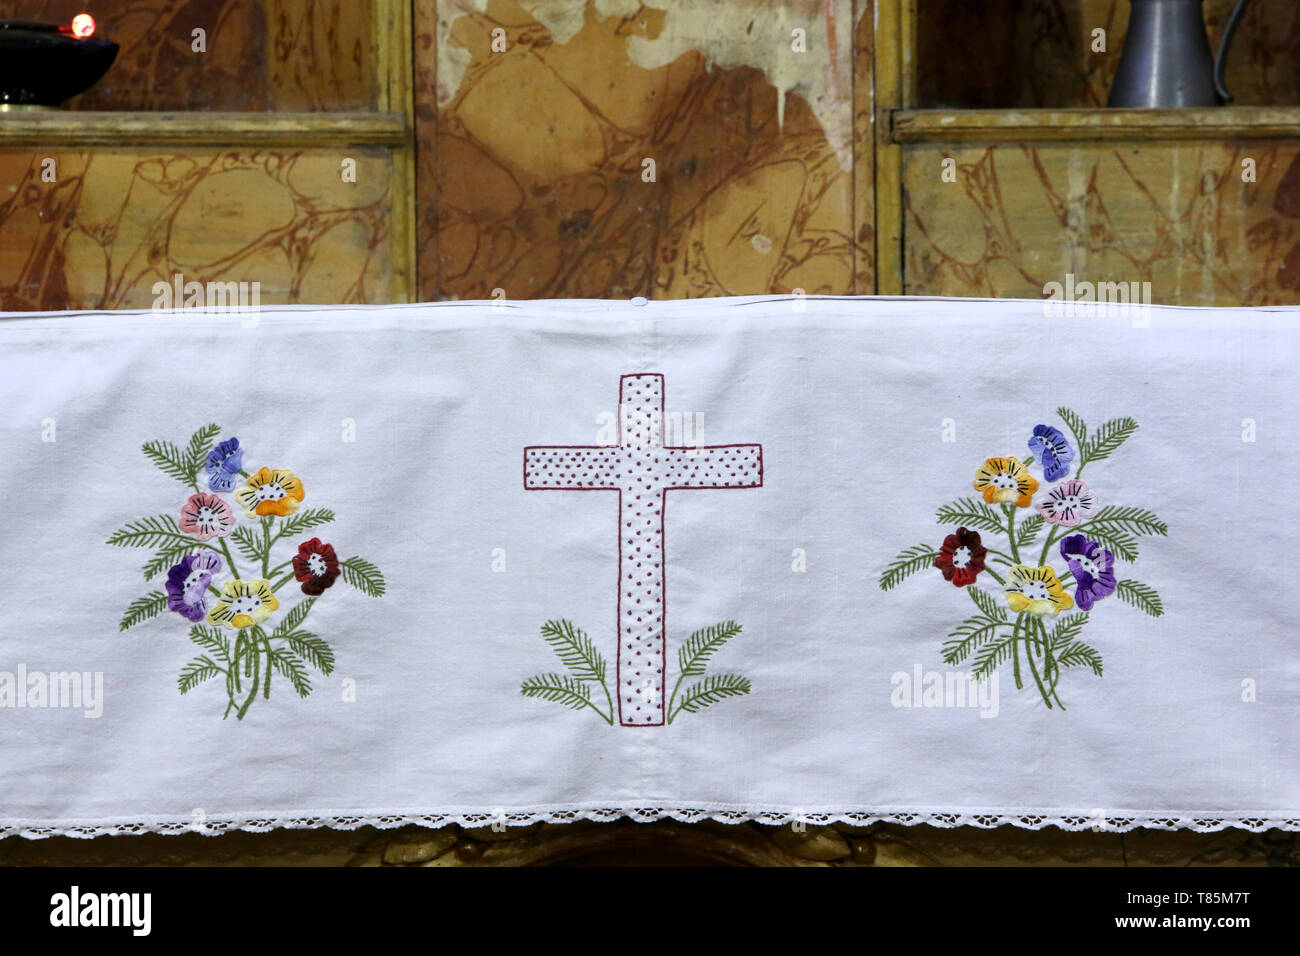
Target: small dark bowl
x=42 y=66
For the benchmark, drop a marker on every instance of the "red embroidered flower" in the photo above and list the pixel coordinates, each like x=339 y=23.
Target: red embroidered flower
x=961 y=558
x=316 y=566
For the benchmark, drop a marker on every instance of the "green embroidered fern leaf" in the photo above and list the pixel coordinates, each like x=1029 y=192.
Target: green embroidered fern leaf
x=1141 y=596
x=196 y=452
x=575 y=650
x=292 y=668
x=170 y=460
x=314 y=650
x=560 y=688
x=1067 y=629
x=908 y=562
x=1133 y=520
x=1028 y=531
x=166 y=557
x=1076 y=425
x=196 y=672
x=212 y=640
x=141 y=609
x=711 y=690
x=1080 y=654
x=987 y=603
x=153 y=532
x=969 y=635
x=1123 y=544
x=363 y=576
x=249 y=542
x=293 y=618
x=1108 y=438
x=301 y=521
x=969 y=513
x=694 y=655
x=989 y=657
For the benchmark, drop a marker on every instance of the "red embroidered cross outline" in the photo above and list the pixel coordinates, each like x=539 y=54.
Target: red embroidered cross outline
x=642 y=469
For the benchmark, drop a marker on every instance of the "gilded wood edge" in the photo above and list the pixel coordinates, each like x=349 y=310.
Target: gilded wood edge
x=889 y=81
x=60 y=128
x=1100 y=125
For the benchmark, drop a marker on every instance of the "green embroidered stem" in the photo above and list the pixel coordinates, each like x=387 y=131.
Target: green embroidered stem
x=673 y=696
x=1015 y=649
x=266 y=693
x=230 y=558
x=1051 y=536
x=1056 y=668
x=1010 y=511
x=256 y=664
x=266 y=551
x=234 y=662
x=1006 y=558
x=996 y=577
x=230 y=691
x=1033 y=667
x=280 y=583
x=609 y=700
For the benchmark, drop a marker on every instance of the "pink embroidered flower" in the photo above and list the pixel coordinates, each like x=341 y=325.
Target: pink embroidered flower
x=1068 y=503
x=206 y=516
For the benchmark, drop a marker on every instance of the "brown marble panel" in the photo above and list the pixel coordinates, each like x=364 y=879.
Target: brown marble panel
x=1176 y=215
x=260 y=54
x=117 y=221
x=534 y=173
x=1038 y=53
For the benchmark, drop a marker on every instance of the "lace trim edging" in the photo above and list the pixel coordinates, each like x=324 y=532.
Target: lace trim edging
x=1118 y=823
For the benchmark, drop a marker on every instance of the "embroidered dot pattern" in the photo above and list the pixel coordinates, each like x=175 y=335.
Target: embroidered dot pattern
x=642 y=469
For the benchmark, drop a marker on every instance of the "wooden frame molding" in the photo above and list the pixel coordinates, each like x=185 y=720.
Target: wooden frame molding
x=1095 y=125
x=60 y=128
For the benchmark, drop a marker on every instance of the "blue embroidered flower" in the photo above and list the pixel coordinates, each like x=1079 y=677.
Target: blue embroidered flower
x=225 y=462
x=1052 y=450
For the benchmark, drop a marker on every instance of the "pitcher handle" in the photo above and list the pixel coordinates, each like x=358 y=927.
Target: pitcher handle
x=1221 y=61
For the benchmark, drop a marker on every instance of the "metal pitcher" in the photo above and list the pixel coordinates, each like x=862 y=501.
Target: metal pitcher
x=1166 y=59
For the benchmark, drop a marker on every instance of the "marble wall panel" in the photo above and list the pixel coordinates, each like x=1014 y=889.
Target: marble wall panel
x=114 y=222
x=1177 y=215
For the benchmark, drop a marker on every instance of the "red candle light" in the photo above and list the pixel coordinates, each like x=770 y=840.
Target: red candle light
x=83 y=25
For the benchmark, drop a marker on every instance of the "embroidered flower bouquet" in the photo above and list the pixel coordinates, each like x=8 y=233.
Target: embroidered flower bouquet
x=230 y=610
x=1076 y=531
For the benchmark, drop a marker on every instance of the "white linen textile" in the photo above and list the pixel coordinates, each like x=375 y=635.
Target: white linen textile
x=809 y=443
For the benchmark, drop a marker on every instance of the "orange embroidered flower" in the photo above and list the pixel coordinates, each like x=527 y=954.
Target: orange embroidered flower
x=272 y=491
x=1005 y=479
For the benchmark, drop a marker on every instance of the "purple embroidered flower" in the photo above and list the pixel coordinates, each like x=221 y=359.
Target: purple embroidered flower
x=187 y=584
x=1052 y=450
x=1093 y=568
x=225 y=462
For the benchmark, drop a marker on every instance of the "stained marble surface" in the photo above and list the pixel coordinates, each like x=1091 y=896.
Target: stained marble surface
x=117 y=221
x=1176 y=215
x=534 y=156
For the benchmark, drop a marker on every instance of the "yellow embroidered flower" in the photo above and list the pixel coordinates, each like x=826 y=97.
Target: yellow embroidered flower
x=243 y=604
x=272 y=491
x=1036 y=590
x=1005 y=479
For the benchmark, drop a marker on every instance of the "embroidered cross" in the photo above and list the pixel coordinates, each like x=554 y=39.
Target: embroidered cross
x=642 y=469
